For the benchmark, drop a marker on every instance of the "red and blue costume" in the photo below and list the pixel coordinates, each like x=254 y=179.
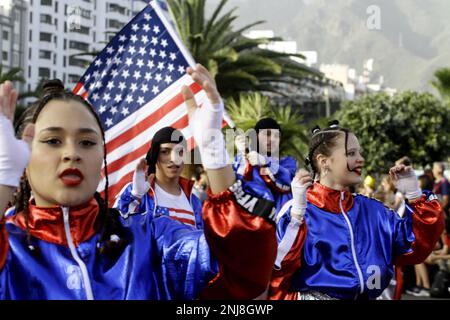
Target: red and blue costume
x=347 y=245
x=276 y=176
x=128 y=204
x=232 y=258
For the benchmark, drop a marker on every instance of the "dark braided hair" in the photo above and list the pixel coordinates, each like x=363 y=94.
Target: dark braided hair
x=323 y=141
x=112 y=237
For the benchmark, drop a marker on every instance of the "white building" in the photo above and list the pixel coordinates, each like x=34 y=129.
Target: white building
x=58 y=30
x=13 y=26
x=356 y=85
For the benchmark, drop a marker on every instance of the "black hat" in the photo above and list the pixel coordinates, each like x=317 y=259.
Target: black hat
x=267 y=123
x=164 y=135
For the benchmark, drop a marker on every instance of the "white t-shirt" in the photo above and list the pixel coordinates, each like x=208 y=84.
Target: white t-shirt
x=179 y=207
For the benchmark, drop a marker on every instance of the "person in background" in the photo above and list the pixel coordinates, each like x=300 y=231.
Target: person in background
x=200 y=185
x=61 y=241
x=336 y=245
x=264 y=166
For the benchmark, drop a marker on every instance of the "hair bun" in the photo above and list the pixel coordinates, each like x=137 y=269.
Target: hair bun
x=52 y=86
x=315 y=130
x=333 y=124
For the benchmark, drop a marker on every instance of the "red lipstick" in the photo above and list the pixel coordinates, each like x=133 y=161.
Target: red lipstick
x=71 y=177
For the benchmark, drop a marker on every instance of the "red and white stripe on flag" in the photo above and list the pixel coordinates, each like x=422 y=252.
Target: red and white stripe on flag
x=118 y=73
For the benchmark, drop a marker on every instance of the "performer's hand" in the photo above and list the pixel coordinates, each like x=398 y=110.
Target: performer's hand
x=241 y=143
x=205 y=122
x=256 y=159
x=405 y=181
x=141 y=183
x=299 y=185
x=14 y=153
x=202 y=76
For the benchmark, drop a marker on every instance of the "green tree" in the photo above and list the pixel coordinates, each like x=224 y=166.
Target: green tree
x=238 y=63
x=410 y=123
x=12 y=74
x=441 y=83
x=249 y=108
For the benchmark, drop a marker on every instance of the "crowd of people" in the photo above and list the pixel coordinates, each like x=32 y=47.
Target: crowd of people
x=259 y=228
x=432 y=276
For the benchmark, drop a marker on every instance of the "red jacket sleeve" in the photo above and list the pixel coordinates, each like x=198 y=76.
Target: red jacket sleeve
x=244 y=244
x=281 y=278
x=428 y=225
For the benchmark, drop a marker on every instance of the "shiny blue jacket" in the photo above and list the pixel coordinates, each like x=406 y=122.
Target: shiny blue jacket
x=276 y=177
x=231 y=258
x=128 y=204
x=348 y=244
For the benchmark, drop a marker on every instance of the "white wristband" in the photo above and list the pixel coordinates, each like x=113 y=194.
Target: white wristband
x=14 y=154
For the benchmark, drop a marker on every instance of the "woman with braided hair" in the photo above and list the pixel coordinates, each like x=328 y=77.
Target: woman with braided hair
x=333 y=244
x=60 y=240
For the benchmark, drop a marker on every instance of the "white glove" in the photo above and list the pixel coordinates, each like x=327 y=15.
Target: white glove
x=240 y=143
x=408 y=184
x=256 y=159
x=299 y=189
x=206 y=127
x=14 y=154
x=140 y=184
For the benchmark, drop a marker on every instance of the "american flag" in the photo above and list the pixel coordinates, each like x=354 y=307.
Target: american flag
x=134 y=85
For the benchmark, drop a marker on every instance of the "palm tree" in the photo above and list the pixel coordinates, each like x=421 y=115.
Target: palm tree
x=12 y=75
x=250 y=107
x=441 y=83
x=239 y=64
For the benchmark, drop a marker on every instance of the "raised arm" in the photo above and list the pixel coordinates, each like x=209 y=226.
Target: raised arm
x=205 y=124
x=14 y=153
x=291 y=234
x=423 y=223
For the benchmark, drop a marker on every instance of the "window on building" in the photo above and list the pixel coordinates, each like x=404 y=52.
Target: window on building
x=5 y=55
x=79 y=45
x=29 y=53
x=86 y=13
x=112 y=7
x=44 y=54
x=5 y=35
x=64 y=61
x=81 y=29
x=30 y=36
x=74 y=78
x=54 y=74
x=44 y=73
x=46 y=18
x=76 y=62
x=44 y=36
x=29 y=71
x=47 y=2
x=31 y=17
x=56 y=6
x=112 y=23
